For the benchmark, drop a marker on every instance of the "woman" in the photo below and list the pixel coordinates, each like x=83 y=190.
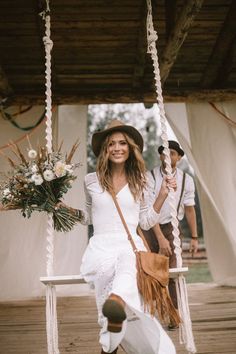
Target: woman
x=109 y=262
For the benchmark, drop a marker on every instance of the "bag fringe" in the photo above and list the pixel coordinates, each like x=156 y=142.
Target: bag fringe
x=156 y=297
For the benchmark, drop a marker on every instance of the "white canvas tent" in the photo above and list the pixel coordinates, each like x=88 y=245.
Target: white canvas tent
x=209 y=140
x=23 y=241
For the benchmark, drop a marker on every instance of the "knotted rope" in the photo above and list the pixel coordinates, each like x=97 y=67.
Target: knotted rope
x=186 y=335
x=51 y=306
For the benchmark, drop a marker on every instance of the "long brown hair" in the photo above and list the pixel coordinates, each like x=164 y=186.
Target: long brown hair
x=134 y=168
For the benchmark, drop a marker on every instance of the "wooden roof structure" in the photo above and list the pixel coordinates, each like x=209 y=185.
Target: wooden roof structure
x=99 y=51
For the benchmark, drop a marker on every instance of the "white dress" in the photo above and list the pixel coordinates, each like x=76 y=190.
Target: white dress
x=109 y=265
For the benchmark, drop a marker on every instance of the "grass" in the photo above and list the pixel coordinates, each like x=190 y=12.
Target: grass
x=198 y=273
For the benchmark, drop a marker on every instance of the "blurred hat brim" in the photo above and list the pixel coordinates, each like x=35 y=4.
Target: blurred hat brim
x=172 y=145
x=118 y=126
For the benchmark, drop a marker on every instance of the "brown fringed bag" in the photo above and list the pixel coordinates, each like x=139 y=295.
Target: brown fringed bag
x=152 y=278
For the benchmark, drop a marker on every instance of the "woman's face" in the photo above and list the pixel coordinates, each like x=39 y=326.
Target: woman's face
x=118 y=148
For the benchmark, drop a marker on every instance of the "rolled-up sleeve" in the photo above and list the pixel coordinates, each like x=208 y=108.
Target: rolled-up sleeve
x=189 y=192
x=86 y=214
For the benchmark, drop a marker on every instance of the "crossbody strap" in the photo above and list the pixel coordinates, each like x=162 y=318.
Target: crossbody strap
x=140 y=233
x=124 y=223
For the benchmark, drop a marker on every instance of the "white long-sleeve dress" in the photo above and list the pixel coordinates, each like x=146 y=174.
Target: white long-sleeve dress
x=109 y=264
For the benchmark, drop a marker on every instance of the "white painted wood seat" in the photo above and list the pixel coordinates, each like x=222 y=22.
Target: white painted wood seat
x=62 y=279
x=78 y=279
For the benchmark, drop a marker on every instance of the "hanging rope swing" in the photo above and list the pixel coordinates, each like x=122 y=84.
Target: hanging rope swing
x=50 y=280
x=185 y=332
x=51 y=305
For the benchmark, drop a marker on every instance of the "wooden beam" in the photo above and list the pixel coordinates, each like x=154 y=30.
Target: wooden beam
x=5 y=88
x=40 y=23
x=226 y=67
x=141 y=52
x=200 y=95
x=170 y=16
x=178 y=35
x=220 y=56
x=30 y=98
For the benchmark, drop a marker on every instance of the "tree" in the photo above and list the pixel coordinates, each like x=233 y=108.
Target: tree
x=150 y=153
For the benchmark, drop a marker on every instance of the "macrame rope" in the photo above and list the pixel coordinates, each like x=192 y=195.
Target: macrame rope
x=185 y=330
x=151 y=39
x=51 y=299
x=48 y=48
x=186 y=335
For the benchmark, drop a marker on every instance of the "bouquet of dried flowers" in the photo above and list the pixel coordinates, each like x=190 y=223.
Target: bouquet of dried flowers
x=38 y=182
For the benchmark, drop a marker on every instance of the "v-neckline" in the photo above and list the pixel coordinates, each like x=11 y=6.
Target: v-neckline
x=116 y=194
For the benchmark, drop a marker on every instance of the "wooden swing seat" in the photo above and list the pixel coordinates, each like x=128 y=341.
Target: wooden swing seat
x=78 y=279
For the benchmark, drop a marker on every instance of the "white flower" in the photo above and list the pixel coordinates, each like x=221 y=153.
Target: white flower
x=37 y=179
x=32 y=154
x=34 y=168
x=6 y=192
x=48 y=175
x=69 y=169
x=60 y=169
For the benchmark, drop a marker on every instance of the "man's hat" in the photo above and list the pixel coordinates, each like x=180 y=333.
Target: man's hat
x=115 y=126
x=172 y=145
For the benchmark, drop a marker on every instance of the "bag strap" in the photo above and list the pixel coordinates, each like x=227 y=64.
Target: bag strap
x=124 y=223
x=182 y=191
x=141 y=234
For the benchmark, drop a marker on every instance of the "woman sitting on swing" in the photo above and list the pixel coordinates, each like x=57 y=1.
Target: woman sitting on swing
x=109 y=262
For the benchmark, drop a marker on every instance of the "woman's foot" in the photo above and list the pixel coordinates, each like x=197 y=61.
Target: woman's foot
x=113 y=309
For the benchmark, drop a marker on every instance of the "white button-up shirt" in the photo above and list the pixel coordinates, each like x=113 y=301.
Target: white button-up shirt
x=187 y=198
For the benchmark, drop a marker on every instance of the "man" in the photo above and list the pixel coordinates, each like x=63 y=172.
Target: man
x=160 y=238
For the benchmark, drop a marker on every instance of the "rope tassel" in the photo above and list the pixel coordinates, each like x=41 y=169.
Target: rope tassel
x=185 y=328
x=51 y=318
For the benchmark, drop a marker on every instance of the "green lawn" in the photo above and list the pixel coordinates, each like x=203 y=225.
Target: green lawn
x=198 y=273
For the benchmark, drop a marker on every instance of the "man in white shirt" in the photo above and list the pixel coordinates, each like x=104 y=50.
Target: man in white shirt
x=160 y=238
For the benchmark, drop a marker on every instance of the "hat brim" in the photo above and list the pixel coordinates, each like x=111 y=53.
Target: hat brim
x=178 y=149
x=98 y=137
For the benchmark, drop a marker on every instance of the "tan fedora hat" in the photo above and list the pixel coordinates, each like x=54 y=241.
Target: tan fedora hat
x=115 y=125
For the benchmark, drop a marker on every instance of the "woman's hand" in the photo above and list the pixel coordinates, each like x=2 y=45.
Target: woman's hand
x=63 y=205
x=168 y=183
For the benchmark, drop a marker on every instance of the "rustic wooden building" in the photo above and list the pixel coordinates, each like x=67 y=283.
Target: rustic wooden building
x=99 y=52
